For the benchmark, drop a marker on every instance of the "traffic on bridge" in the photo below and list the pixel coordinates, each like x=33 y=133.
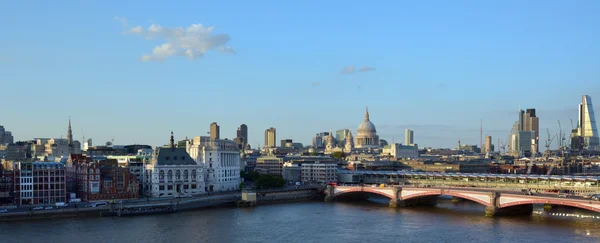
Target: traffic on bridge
x=572 y=185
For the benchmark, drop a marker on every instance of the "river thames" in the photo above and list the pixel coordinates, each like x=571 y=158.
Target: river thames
x=370 y=221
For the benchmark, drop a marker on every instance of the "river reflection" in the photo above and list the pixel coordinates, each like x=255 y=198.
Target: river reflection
x=358 y=221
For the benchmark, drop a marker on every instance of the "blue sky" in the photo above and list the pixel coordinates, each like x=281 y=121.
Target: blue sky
x=439 y=67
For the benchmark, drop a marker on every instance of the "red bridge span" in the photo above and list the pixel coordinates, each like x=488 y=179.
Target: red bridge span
x=496 y=202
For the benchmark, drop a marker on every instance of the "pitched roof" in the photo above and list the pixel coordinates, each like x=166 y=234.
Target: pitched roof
x=172 y=156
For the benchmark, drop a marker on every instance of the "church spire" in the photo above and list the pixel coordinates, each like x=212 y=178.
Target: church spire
x=172 y=141
x=69 y=133
x=367 y=114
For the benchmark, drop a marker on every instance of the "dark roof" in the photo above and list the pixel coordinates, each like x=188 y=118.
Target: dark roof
x=172 y=156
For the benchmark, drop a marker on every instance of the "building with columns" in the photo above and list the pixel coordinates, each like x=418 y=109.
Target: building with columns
x=220 y=159
x=173 y=172
x=367 y=138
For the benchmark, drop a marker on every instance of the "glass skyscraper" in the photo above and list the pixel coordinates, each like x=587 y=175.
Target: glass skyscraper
x=587 y=128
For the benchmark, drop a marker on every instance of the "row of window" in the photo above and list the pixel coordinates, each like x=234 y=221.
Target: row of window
x=161 y=175
x=170 y=187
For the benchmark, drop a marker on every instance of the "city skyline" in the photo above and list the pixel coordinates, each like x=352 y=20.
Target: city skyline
x=438 y=76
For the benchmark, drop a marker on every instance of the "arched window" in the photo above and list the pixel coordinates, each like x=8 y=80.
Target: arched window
x=170 y=176
x=177 y=175
x=193 y=175
x=185 y=175
x=161 y=176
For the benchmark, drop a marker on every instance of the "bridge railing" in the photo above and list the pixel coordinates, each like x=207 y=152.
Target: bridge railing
x=576 y=188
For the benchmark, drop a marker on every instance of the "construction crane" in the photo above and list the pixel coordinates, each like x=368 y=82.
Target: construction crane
x=549 y=141
x=503 y=147
x=562 y=137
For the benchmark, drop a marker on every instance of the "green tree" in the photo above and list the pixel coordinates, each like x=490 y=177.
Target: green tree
x=269 y=181
x=338 y=155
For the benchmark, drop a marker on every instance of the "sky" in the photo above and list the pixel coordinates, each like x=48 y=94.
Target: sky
x=132 y=71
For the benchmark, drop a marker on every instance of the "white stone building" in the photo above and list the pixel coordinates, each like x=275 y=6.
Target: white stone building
x=173 y=172
x=400 y=151
x=221 y=161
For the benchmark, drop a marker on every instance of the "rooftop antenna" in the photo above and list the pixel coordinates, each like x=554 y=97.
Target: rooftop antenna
x=480 y=133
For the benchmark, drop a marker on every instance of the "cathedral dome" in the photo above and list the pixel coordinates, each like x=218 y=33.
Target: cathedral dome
x=367 y=127
x=366 y=136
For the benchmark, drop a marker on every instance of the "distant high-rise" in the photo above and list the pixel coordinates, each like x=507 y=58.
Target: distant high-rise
x=243 y=132
x=215 y=132
x=489 y=147
x=532 y=123
x=242 y=136
x=270 y=138
x=340 y=135
x=5 y=136
x=587 y=131
x=408 y=137
x=525 y=134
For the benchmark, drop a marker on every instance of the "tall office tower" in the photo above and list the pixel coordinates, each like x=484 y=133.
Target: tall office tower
x=270 y=136
x=6 y=137
x=488 y=144
x=340 y=136
x=532 y=123
x=215 y=132
x=586 y=127
x=525 y=135
x=242 y=132
x=408 y=137
x=241 y=138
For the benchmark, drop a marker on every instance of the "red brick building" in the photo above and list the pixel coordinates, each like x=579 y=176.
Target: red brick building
x=94 y=180
x=6 y=187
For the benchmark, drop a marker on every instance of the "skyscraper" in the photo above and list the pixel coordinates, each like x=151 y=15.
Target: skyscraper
x=586 y=127
x=408 y=137
x=5 y=136
x=242 y=132
x=489 y=147
x=215 y=132
x=270 y=138
x=242 y=136
x=524 y=137
x=340 y=135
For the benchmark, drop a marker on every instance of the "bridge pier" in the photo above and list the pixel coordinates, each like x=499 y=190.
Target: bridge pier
x=329 y=193
x=397 y=201
x=493 y=210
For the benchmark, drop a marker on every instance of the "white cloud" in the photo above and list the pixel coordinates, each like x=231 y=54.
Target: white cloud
x=122 y=20
x=348 y=70
x=191 y=42
x=366 y=69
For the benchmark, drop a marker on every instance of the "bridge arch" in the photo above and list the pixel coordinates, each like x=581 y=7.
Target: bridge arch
x=557 y=202
x=480 y=198
x=366 y=190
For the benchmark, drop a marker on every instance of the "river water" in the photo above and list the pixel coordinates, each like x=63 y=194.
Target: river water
x=367 y=221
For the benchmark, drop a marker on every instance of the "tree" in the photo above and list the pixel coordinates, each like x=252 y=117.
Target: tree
x=251 y=176
x=338 y=155
x=269 y=181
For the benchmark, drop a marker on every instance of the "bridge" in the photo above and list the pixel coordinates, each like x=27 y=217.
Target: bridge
x=582 y=185
x=496 y=202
